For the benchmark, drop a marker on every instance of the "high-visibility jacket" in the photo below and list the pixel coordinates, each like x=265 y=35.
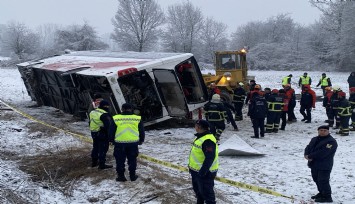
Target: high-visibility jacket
x=197 y=157
x=324 y=81
x=95 y=122
x=344 y=109
x=127 y=128
x=276 y=105
x=305 y=80
x=285 y=80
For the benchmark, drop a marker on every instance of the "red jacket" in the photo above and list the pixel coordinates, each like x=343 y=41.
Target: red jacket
x=310 y=91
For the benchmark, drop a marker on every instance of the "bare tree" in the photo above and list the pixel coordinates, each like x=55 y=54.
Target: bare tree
x=185 y=22
x=48 y=45
x=78 y=38
x=137 y=24
x=20 y=40
x=213 y=38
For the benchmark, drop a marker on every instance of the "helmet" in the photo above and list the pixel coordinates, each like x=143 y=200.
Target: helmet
x=241 y=84
x=328 y=88
x=342 y=94
x=275 y=91
x=216 y=97
x=352 y=90
x=257 y=86
x=336 y=88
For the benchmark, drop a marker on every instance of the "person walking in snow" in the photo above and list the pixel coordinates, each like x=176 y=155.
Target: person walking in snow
x=128 y=134
x=308 y=101
x=320 y=156
x=203 y=163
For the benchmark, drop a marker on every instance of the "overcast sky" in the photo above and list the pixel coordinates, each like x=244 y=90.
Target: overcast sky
x=100 y=12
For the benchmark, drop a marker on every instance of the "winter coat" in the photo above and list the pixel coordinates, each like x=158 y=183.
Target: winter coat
x=321 y=150
x=351 y=80
x=239 y=95
x=257 y=107
x=308 y=98
x=326 y=99
x=215 y=112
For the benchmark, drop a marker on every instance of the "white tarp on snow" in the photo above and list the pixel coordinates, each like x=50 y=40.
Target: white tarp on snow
x=235 y=146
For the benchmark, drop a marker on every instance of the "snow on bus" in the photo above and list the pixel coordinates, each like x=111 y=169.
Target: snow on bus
x=159 y=85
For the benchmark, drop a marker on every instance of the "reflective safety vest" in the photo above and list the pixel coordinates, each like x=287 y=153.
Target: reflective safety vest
x=305 y=80
x=344 y=111
x=285 y=80
x=324 y=81
x=95 y=122
x=127 y=128
x=197 y=157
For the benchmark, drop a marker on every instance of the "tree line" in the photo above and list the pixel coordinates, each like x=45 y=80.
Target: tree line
x=277 y=43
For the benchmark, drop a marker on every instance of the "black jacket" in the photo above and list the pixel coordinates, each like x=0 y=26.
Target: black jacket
x=351 y=80
x=321 y=150
x=215 y=112
x=258 y=107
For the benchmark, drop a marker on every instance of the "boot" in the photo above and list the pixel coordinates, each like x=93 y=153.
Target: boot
x=344 y=134
x=316 y=196
x=104 y=166
x=352 y=129
x=121 y=177
x=94 y=163
x=275 y=130
x=133 y=176
x=324 y=199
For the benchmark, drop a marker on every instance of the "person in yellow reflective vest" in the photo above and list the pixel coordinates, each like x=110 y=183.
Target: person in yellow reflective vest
x=127 y=133
x=203 y=163
x=100 y=121
x=324 y=82
x=304 y=80
x=286 y=80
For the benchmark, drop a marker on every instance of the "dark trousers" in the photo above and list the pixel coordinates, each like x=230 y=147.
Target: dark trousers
x=283 y=119
x=273 y=121
x=353 y=119
x=306 y=112
x=100 y=145
x=328 y=111
x=335 y=117
x=217 y=128
x=259 y=123
x=125 y=151
x=238 y=110
x=203 y=187
x=291 y=111
x=321 y=178
x=344 y=124
x=231 y=119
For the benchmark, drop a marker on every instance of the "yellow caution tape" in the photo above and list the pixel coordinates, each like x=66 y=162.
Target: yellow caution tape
x=163 y=163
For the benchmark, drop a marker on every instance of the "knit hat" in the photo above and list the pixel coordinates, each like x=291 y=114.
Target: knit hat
x=323 y=127
x=203 y=124
x=104 y=103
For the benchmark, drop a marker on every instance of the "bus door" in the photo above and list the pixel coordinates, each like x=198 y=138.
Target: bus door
x=170 y=92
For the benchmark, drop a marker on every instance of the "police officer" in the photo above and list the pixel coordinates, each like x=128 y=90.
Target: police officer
x=304 y=80
x=215 y=114
x=286 y=80
x=128 y=135
x=324 y=82
x=100 y=121
x=320 y=155
x=203 y=163
x=275 y=106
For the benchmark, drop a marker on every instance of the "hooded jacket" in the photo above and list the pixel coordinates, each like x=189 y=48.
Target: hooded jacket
x=308 y=97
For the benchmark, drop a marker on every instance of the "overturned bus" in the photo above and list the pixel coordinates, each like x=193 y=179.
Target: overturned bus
x=159 y=85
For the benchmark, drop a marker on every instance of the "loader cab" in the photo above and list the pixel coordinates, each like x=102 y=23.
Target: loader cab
x=233 y=63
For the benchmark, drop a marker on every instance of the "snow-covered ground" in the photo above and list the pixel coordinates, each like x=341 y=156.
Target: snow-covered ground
x=283 y=168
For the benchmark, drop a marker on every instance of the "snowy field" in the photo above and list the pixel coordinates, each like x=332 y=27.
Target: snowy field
x=283 y=168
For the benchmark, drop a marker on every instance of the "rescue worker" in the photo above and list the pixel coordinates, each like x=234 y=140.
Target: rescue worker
x=334 y=104
x=324 y=82
x=128 y=134
x=286 y=80
x=267 y=93
x=308 y=101
x=275 y=106
x=215 y=114
x=351 y=80
x=327 y=105
x=284 y=109
x=257 y=113
x=320 y=155
x=100 y=122
x=252 y=84
x=352 y=103
x=290 y=94
x=213 y=89
x=304 y=80
x=238 y=101
x=344 y=114
x=249 y=99
x=203 y=163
